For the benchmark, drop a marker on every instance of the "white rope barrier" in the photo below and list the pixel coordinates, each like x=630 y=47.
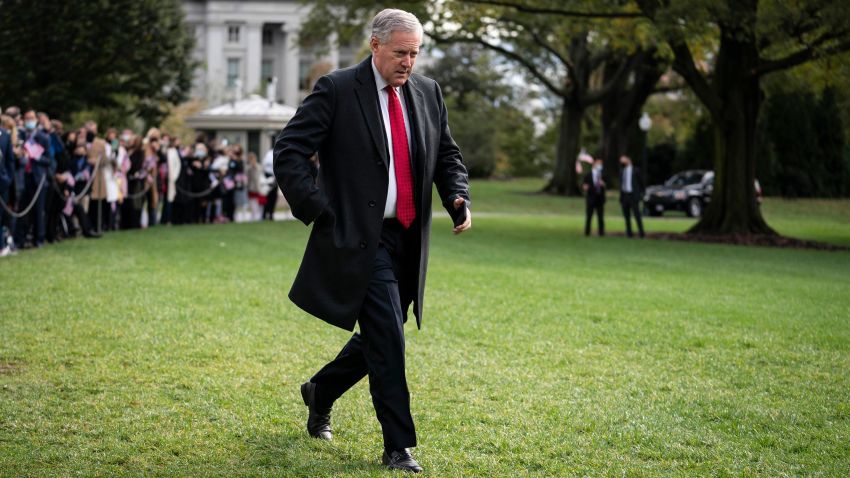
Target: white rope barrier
x=26 y=211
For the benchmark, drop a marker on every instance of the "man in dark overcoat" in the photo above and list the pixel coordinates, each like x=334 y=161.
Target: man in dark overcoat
x=382 y=138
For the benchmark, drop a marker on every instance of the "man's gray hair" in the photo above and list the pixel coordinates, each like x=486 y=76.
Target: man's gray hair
x=393 y=20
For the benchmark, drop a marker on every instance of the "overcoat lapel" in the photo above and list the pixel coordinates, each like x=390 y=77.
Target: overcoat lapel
x=367 y=97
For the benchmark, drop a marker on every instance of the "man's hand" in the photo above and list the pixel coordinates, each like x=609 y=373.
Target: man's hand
x=459 y=203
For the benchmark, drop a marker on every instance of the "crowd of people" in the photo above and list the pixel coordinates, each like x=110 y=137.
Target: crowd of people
x=57 y=184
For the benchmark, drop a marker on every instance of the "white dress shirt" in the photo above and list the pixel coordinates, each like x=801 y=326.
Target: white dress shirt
x=384 y=99
x=627 y=179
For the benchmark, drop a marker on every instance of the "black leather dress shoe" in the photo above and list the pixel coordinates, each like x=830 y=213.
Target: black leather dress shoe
x=319 y=419
x=401 y=460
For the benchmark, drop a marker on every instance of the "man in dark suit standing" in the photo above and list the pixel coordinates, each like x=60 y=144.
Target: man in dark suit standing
x=594 y=189
x=631 y=189
x=382 y=139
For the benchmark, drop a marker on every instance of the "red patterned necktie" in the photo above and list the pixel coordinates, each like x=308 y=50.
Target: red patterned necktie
x=405 y=210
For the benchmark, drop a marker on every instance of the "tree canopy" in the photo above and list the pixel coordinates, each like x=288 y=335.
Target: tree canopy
x=580 y=51
x=63 y=57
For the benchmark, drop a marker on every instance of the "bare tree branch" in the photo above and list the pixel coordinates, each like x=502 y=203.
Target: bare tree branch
x=799 y=57
x=593 y=97
x=507 y=54
x=539 y=40
x=684 y=65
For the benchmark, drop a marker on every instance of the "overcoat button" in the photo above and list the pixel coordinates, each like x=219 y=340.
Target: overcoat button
x=362 y=244
x=371 y=203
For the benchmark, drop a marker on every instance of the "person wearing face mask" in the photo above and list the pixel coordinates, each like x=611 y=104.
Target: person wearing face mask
x=53 y=130
x=151 y=147
x=199 y=168
x=234 y=182
x=594 y=189
x=55 y=201
x=36 y=163
x=122 y=164
x=131 y=208
x=63 y=193
x=183 y=202
x=52 y=211
x=110 y=177
x=102 y=162
x=169 y=169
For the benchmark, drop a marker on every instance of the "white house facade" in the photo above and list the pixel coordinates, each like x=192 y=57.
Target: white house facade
x=252 y=72
x=251 y=47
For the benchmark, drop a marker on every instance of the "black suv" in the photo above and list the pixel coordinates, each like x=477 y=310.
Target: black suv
x=687 y=191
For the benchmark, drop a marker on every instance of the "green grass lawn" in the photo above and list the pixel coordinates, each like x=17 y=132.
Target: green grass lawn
x=812 y=219
x=175 y=352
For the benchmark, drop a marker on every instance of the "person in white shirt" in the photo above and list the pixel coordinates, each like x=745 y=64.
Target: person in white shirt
x=631 y=189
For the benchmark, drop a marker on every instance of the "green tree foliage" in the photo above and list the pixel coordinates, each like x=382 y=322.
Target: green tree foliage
x=63 y=57
x=754 y=40
x=800 y=144
x=494 y=135
x=804 y=153
x=564 y=57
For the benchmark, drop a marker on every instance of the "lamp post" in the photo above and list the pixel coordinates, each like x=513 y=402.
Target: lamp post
x=644 y=123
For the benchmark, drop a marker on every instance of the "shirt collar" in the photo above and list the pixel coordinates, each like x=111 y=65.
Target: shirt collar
x=380 y=83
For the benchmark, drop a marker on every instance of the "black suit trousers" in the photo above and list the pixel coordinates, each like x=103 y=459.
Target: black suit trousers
x=599 y=207
x=378 y=349
x=630 y=203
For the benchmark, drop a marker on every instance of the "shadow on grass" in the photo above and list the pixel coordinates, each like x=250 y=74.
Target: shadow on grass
x=299 y=454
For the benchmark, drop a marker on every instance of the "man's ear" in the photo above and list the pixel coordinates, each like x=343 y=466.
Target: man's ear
x=373 y=44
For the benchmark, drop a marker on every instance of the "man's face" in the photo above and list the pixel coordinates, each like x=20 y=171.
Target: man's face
x=395 y=58
x=624 y=160
x=30 y=120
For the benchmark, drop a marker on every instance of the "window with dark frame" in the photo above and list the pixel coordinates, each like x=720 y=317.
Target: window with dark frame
x=232 y=71
x=266 y=70
x=233 y=34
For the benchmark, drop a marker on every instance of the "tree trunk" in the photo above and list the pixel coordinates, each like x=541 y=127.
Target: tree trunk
x=564 y=179
x=622 y=107
x=615 y=143
x=614 y=120
x=733 y=209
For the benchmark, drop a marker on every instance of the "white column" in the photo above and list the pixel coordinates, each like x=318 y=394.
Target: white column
x=289 y=58
x=216 y=75
x=253 y=57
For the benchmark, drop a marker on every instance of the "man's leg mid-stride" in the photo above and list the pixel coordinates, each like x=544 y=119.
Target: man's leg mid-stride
x=378 y=350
